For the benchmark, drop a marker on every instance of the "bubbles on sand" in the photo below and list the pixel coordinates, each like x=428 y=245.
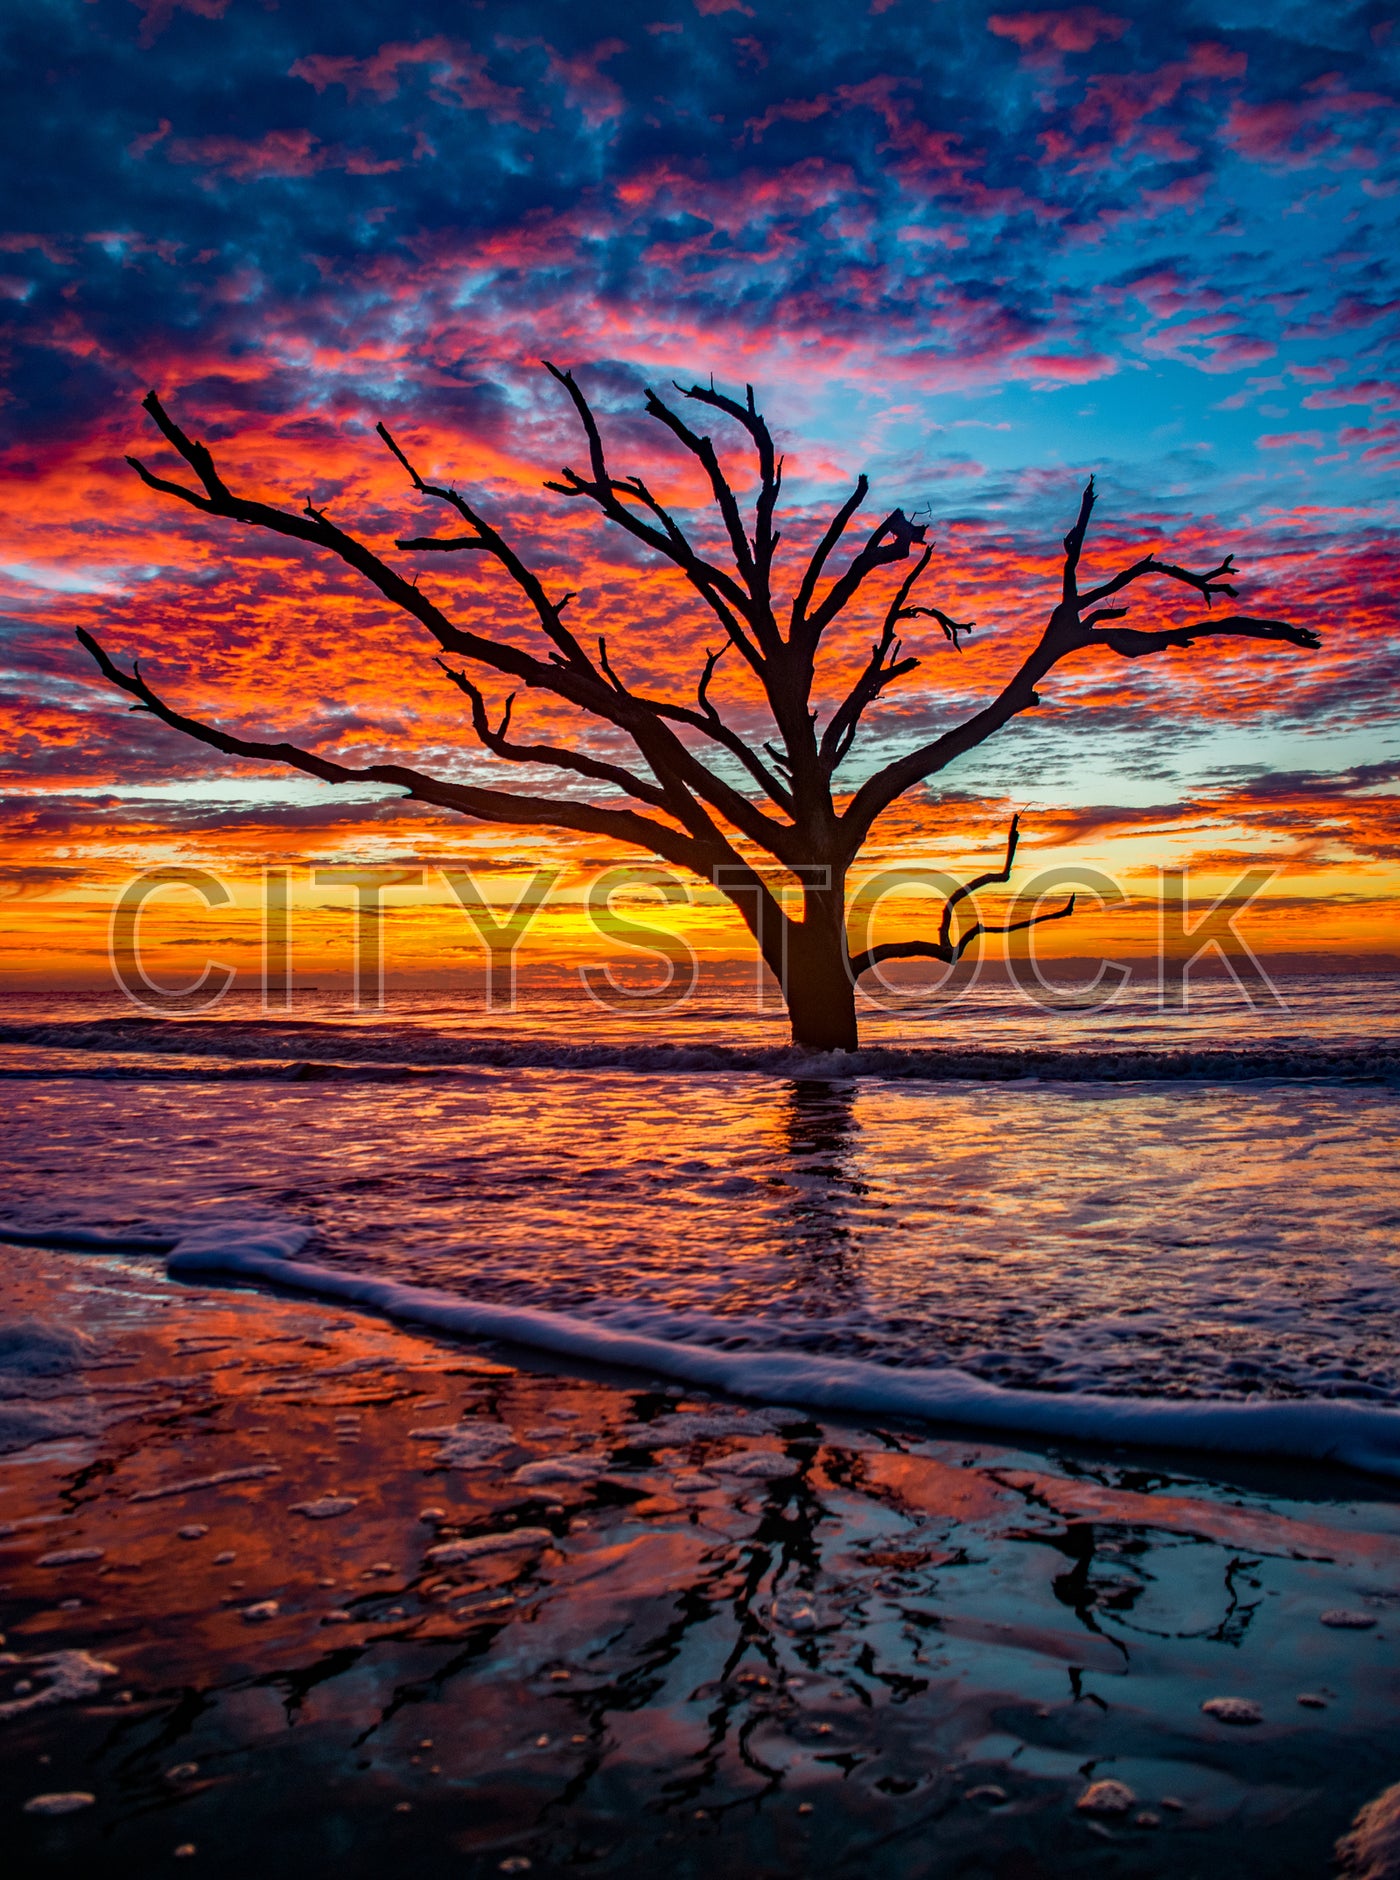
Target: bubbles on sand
x=557 y=1469
x=1237 y=1710
x=1106 y=1798
x=63 y=1677
x=466 y=1445
x=455 y=1553
x=758 y=1465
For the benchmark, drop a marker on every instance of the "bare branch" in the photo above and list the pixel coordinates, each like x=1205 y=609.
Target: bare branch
x=720 y=591
x=935 y=950
x=677 y=769
x=314 y=528
x=770 y=469
x=945 y=947
x=490 y=542
x=1209 y=584
x=713 y=727
x=725 y=499
x=1065 y=633
x=884 y=665
x=1131 y=644
x=891 y=541
x=1074 y=542
x=712 y=658
x=959 y=895
x=569 y=675
x=577 y=761
x=495 y=806
x=951 y=628
x=835 y=529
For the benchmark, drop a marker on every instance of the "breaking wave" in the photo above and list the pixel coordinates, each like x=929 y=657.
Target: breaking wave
x=1361 y=1436
x=148 y=1049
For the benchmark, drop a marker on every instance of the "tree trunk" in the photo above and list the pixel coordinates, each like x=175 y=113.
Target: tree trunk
x=820 y=994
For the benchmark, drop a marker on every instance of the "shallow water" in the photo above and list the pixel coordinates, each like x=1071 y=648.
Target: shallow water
x=651 y=1632
x=1166 y=1237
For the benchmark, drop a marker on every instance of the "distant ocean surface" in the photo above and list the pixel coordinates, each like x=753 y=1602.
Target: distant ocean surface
x=1193 y=1207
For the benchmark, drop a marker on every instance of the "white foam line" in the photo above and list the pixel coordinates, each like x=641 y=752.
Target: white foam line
x=1362 y=1436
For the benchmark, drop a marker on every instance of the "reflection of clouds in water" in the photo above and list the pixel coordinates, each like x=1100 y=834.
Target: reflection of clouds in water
x=1156 y=1238
x=870 y=1628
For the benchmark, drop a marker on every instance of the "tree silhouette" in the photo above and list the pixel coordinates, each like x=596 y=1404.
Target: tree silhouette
x=682 y=807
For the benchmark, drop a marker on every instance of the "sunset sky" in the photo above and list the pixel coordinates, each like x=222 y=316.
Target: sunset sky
x=975 y=254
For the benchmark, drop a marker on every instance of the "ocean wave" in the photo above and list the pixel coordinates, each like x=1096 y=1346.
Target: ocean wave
x=218 y=1050
x=1361 y=1436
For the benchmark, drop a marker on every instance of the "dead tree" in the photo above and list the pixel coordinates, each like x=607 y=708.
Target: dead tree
x=697 y=792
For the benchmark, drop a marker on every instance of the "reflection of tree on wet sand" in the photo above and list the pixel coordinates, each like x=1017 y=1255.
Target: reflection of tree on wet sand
x=803 y=1662
x=818 y=1133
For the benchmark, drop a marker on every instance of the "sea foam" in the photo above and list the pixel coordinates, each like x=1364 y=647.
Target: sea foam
x=1362 y=1436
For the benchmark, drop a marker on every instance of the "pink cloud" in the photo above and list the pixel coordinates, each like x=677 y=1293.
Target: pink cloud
x=159 y=13
x=1370 y=434
x=1109 y=125
x=788 y=111
x=596 y=98
x=139 y=146
x=1168 y=292
x=1079 y=29
x=458 y=77
x=1202 y=343
x=1349 y=313
x=1383 y=394
x=1119 y=101
x=1292 y=133
x=1064 y=368
x=279 y=153
x=18 y=244
x=1288 y=440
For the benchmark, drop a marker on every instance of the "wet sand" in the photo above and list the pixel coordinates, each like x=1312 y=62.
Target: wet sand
x=306 y=1592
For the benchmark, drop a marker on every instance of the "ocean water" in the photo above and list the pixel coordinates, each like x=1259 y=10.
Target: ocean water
x=1133 y=1221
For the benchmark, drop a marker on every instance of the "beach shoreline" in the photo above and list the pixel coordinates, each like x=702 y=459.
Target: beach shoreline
x=584 y=1619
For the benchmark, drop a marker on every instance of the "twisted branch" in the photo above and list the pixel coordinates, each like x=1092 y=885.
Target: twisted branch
x=945 y=948
x=689 y=785
x=1065 y=633
x=492 y=806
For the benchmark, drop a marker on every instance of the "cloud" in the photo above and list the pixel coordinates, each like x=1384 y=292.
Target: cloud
x=1324 y=124
x=294 y=224
x=1076 y=29
x=28 y=881
x=1382 y=394
x=457 y=76
x=278 y=153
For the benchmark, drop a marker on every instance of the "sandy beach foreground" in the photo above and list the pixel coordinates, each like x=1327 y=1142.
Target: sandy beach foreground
x=287 y=1589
